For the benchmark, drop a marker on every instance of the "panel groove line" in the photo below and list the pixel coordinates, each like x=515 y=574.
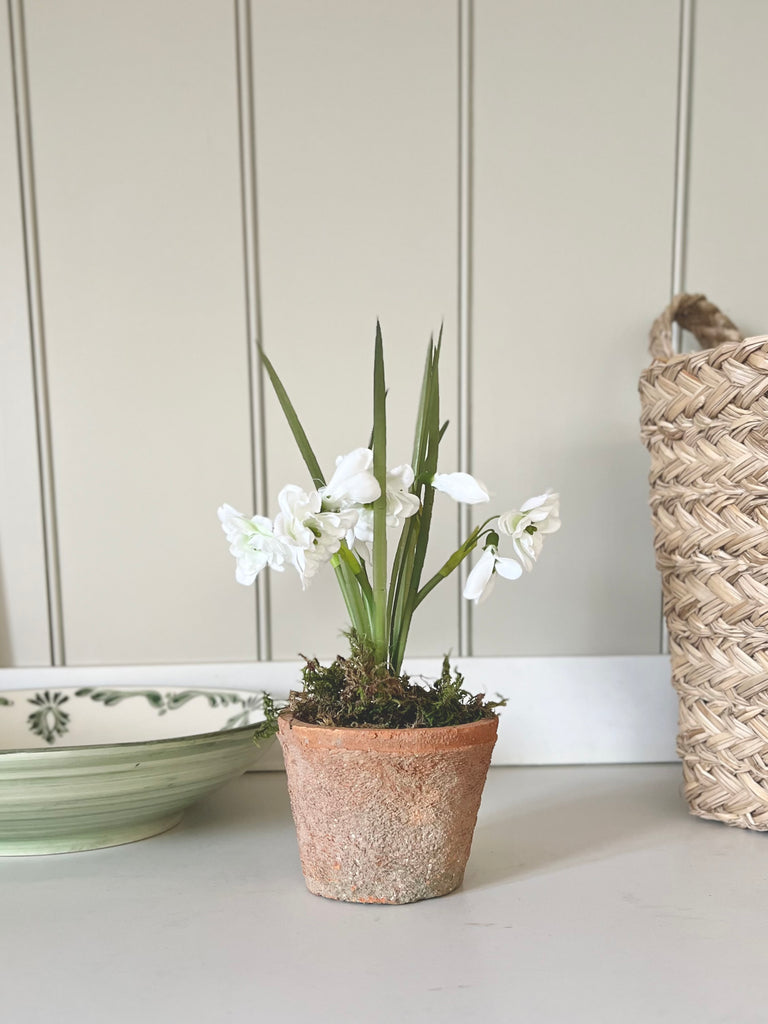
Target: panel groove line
x=682 y=178
x=464 y=427
x=254 y=328
x=682 y=151
x=27 y=191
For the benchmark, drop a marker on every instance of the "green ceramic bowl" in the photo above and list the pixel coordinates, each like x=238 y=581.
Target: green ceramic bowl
x=86 y=767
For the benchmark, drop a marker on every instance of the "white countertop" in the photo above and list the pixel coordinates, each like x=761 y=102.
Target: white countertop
x=591 y=896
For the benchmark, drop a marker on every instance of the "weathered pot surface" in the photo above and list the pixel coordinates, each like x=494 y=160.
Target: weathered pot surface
x=385 y=815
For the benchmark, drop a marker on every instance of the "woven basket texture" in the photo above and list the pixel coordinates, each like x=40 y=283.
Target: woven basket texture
x=705 y=423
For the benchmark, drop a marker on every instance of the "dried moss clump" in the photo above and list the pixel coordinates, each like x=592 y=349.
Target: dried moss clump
x=355 y=692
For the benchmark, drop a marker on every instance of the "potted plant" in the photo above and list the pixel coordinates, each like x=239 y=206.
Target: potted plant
x=385 y=773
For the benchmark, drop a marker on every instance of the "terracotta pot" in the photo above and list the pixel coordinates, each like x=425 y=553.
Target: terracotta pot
x=385 y=815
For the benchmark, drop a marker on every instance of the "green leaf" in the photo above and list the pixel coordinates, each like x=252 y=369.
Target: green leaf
x=357 y=568
x=380 y=505
x=420 y=436
x=428 y=443
x=357 y=609
x=293 y=422
x=403 y=562
x=370 y=440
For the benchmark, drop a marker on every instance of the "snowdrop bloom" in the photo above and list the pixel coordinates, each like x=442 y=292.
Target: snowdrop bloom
x=527 y=548
x=461 y=487
x=352 y=483
x=526 y=526
x=401 y=504
x=253 y=543
x=481 y=580
x=311 y=535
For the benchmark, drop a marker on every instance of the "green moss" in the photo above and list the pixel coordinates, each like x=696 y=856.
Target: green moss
x=356 y=692
x=266 y=729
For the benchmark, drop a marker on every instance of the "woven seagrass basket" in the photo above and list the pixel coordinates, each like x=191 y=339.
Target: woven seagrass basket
x=705 y=422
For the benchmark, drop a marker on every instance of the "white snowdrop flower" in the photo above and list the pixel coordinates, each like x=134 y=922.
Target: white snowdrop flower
x=352 y=483
x=543 y=512
x=527 y=526
x=312 y=536
x=481 y=580
x=401 y=504
x=461 y=487
x=253 y=543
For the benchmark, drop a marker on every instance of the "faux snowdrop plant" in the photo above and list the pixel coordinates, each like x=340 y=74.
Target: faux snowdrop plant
x=349 y=522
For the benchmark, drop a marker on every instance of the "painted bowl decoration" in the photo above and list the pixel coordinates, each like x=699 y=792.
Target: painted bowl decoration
x=87 y=767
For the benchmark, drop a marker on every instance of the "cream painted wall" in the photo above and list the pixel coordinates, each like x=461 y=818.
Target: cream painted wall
x=574 y=166
x=134 y=123
x=135 y=132
x=728 y=220
x=23 y=601
x=356 y=111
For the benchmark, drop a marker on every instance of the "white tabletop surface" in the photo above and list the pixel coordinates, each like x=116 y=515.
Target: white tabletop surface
x=591 y=896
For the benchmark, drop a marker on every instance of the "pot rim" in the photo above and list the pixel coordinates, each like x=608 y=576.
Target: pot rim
x=426 y=739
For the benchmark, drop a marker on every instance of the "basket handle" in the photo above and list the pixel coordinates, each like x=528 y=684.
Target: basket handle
x=694 y=313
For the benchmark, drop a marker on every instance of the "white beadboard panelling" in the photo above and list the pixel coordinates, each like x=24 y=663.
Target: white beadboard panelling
x=134 y=115
x=573 y=175
x=559 y=710
x=24 y=636
x=356 y=139
x=728 y=213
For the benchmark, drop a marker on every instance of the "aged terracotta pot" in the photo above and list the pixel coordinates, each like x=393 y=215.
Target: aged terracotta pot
x=385 y=815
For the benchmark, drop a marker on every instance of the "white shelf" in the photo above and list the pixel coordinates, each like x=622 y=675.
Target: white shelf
x=591 y=896
x=580 y=710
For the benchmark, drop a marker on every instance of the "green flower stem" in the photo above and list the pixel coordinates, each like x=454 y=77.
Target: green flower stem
x=455 y=560
x=419 y=553
x=398 y=589
x=358 y=616
x=365 y=583
x=358 y=580
x=445 y=570
x=358 y=571
x=400 y=567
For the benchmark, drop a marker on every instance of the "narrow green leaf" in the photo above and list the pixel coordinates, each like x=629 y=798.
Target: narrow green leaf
x=408 y=598
x=410 y=583
x=370 y=441
x=403 y=562
x=380 y=505
x=358 y=571
x=401 y=574
x=420 y=437
x=293 y=422
x=358 y=614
